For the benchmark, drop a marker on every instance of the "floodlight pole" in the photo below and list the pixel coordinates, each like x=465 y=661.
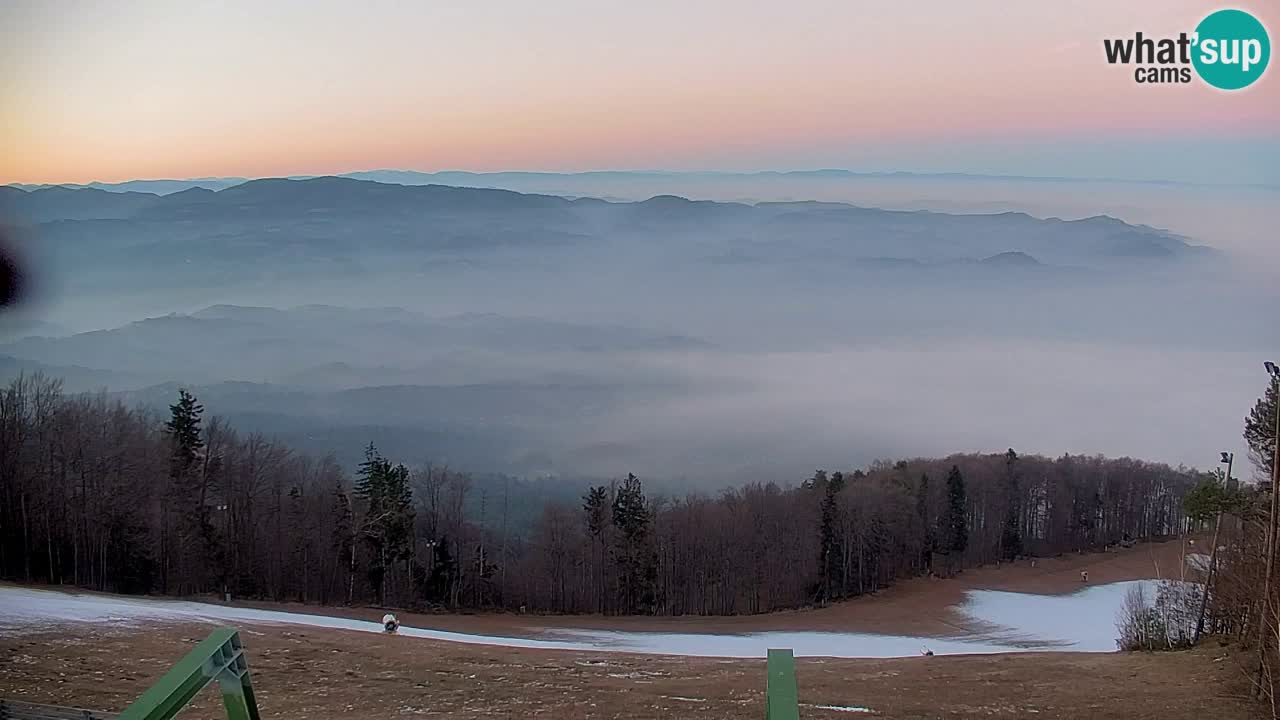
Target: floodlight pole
x=1213 y=550
x=1274 y=372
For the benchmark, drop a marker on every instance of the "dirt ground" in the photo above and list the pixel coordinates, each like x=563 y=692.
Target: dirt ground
x=311 y=673
x=340 y=674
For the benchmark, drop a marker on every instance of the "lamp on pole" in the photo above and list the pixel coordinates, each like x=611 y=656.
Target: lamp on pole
x=225 y=510
x=1227 y=459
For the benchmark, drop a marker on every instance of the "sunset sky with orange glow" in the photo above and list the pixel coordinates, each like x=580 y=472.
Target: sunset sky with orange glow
x=110 y=91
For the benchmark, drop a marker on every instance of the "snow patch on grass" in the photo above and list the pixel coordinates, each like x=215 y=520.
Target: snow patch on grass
x=1082 y=622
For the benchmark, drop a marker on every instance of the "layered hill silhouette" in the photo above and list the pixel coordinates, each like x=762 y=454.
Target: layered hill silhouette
x=342 y=219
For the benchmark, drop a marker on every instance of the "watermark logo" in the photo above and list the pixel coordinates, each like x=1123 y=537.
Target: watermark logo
x=1229 y=50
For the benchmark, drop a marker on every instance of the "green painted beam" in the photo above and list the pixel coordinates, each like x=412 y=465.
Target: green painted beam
x=221 y=657
x=218 y=657
x=782 y=699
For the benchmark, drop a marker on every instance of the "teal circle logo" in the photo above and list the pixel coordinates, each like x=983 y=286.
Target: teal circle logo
x=1231 y=49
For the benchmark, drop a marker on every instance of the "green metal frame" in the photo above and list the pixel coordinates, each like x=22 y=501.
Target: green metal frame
x=221 y=657
x=782 y=699
x=218 y=657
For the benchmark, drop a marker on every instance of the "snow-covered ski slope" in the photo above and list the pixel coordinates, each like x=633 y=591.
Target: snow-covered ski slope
x=1083 y=621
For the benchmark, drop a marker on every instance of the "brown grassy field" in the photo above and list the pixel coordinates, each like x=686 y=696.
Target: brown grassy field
x=310 y=673
x=337 y=674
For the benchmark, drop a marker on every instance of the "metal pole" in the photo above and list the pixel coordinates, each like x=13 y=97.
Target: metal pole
x=1213 y=554
x=1275 y=497
x=1271 y=531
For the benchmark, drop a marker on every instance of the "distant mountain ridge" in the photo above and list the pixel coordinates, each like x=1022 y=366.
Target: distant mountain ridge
x=94 y=202
x=497 y=178
x=314 y=232
x=156 y=187
x=323 y=343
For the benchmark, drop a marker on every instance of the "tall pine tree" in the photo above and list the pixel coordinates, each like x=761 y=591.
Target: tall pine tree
x=829 y=540
x=595 y=509
x=637 y=563
x=1260 y=431
x=957 y=513
x=184 y=518
x=1011 y=533
x=183 y=430
x=388 y=521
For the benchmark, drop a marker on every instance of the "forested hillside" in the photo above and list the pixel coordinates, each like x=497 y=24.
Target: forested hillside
x=99 y=495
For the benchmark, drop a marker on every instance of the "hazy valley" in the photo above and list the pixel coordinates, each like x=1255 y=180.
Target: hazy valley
x=537 y=334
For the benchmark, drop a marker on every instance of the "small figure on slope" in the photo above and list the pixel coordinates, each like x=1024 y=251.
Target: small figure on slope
x=390 y=623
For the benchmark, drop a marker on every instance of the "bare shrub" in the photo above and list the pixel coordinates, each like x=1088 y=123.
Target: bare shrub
x=1165 y=621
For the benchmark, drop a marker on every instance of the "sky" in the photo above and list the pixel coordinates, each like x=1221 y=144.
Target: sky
x=111 y=91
